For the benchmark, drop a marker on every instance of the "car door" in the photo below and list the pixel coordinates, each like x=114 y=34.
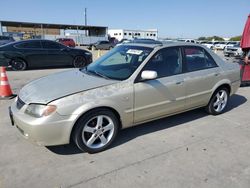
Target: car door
x=33 y=52
x=164 y=95
x=101 y=45
x=57 y=54
x=201 y=75
x=106 y=45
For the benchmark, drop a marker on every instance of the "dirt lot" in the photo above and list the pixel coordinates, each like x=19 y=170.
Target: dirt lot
x=192 y=149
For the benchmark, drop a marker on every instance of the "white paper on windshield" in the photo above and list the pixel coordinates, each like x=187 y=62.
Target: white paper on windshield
x=134 y=52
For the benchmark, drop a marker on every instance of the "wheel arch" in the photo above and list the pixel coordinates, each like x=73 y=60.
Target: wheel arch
x=225 y=85
x=219 y=86
x=94 y=109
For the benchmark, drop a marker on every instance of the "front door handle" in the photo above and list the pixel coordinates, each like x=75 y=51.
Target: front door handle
x=179 y=83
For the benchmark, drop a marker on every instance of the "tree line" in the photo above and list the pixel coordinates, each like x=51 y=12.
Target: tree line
x=217 y=38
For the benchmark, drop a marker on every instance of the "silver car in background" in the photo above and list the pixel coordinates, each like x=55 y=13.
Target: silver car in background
x=130 y=85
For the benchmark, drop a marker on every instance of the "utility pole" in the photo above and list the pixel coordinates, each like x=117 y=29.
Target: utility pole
x=85 y=16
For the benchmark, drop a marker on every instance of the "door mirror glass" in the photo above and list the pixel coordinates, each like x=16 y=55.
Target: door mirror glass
x=148 y=75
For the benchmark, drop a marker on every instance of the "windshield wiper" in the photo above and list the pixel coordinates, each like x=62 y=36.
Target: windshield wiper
x=95 y=73
x=101 y=75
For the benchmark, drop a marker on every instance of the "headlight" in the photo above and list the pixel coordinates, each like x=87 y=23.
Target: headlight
x=88 y=53
x=39 y=110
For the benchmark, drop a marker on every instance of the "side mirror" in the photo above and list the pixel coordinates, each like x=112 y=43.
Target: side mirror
x=148 y=75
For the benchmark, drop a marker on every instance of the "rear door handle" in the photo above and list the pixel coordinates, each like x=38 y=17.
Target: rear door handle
x=217 y=74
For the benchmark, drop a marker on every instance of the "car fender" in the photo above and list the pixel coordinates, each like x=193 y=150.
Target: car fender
x=219 y=84
x=126 y=119
x=77 y=105
x=12 y=54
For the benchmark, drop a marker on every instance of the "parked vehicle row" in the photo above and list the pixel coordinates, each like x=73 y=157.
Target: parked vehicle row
x=101 y=45
x=131 y=84
x=42 y=53
x=218 y=45
x=67 y=42
x=233 y=51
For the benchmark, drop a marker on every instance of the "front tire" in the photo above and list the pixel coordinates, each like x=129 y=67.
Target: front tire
x=18 y=64
x=79 y=62
x=95 y=131
x=218 y=102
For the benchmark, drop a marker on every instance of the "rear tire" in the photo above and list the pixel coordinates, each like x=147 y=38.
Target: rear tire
x=96 y=130
x=218 y=102
x=18 y=64
x=79 y=62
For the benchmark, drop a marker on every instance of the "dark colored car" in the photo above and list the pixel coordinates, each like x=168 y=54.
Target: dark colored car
x=102 y=45
x=66 y=42
x=5 y=40
x=146 y=41
x=42 y=53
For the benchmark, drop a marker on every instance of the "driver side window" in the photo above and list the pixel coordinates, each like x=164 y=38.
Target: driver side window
x=166 y=62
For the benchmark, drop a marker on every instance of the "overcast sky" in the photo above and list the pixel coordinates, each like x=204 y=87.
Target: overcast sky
x=173 y=18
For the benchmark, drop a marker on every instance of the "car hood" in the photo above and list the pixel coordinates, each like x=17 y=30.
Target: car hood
x=55 y=86
x=233 y=48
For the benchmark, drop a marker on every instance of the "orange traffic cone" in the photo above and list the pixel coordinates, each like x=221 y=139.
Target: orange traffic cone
x=5 y=90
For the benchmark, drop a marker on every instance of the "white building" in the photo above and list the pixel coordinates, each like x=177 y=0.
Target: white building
x=120 y=34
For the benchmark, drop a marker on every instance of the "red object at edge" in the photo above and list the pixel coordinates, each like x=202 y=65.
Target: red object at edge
x=245 y=71
x=245 y=40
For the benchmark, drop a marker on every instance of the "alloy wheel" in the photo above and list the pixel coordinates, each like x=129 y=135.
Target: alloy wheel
x=220 y=101
x=79 y=62
x=98 y=131
x=18 y=64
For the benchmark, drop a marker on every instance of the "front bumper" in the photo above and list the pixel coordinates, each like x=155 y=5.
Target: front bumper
x=231 y=53
x=47 y=131
x=4 y=62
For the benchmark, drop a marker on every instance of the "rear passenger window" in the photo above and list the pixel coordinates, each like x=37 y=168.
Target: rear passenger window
x=197 y=59
x=29 y=45
x=51 y=45
x=166 y=62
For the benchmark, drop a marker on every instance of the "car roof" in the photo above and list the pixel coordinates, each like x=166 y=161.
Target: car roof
x=30 y=40
x=163 y=45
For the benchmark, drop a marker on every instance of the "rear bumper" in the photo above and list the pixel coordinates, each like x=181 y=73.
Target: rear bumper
x=235 y=86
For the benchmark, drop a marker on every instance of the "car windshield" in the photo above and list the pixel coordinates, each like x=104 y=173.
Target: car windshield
x=120 y=63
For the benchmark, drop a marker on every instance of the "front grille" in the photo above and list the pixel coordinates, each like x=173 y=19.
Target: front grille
x=233 y=50
x=19 y=103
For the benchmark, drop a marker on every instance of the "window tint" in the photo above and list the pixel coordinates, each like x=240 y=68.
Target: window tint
x=51 y=45
x=166 y=62
x=197 y=59
x=29 y=45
